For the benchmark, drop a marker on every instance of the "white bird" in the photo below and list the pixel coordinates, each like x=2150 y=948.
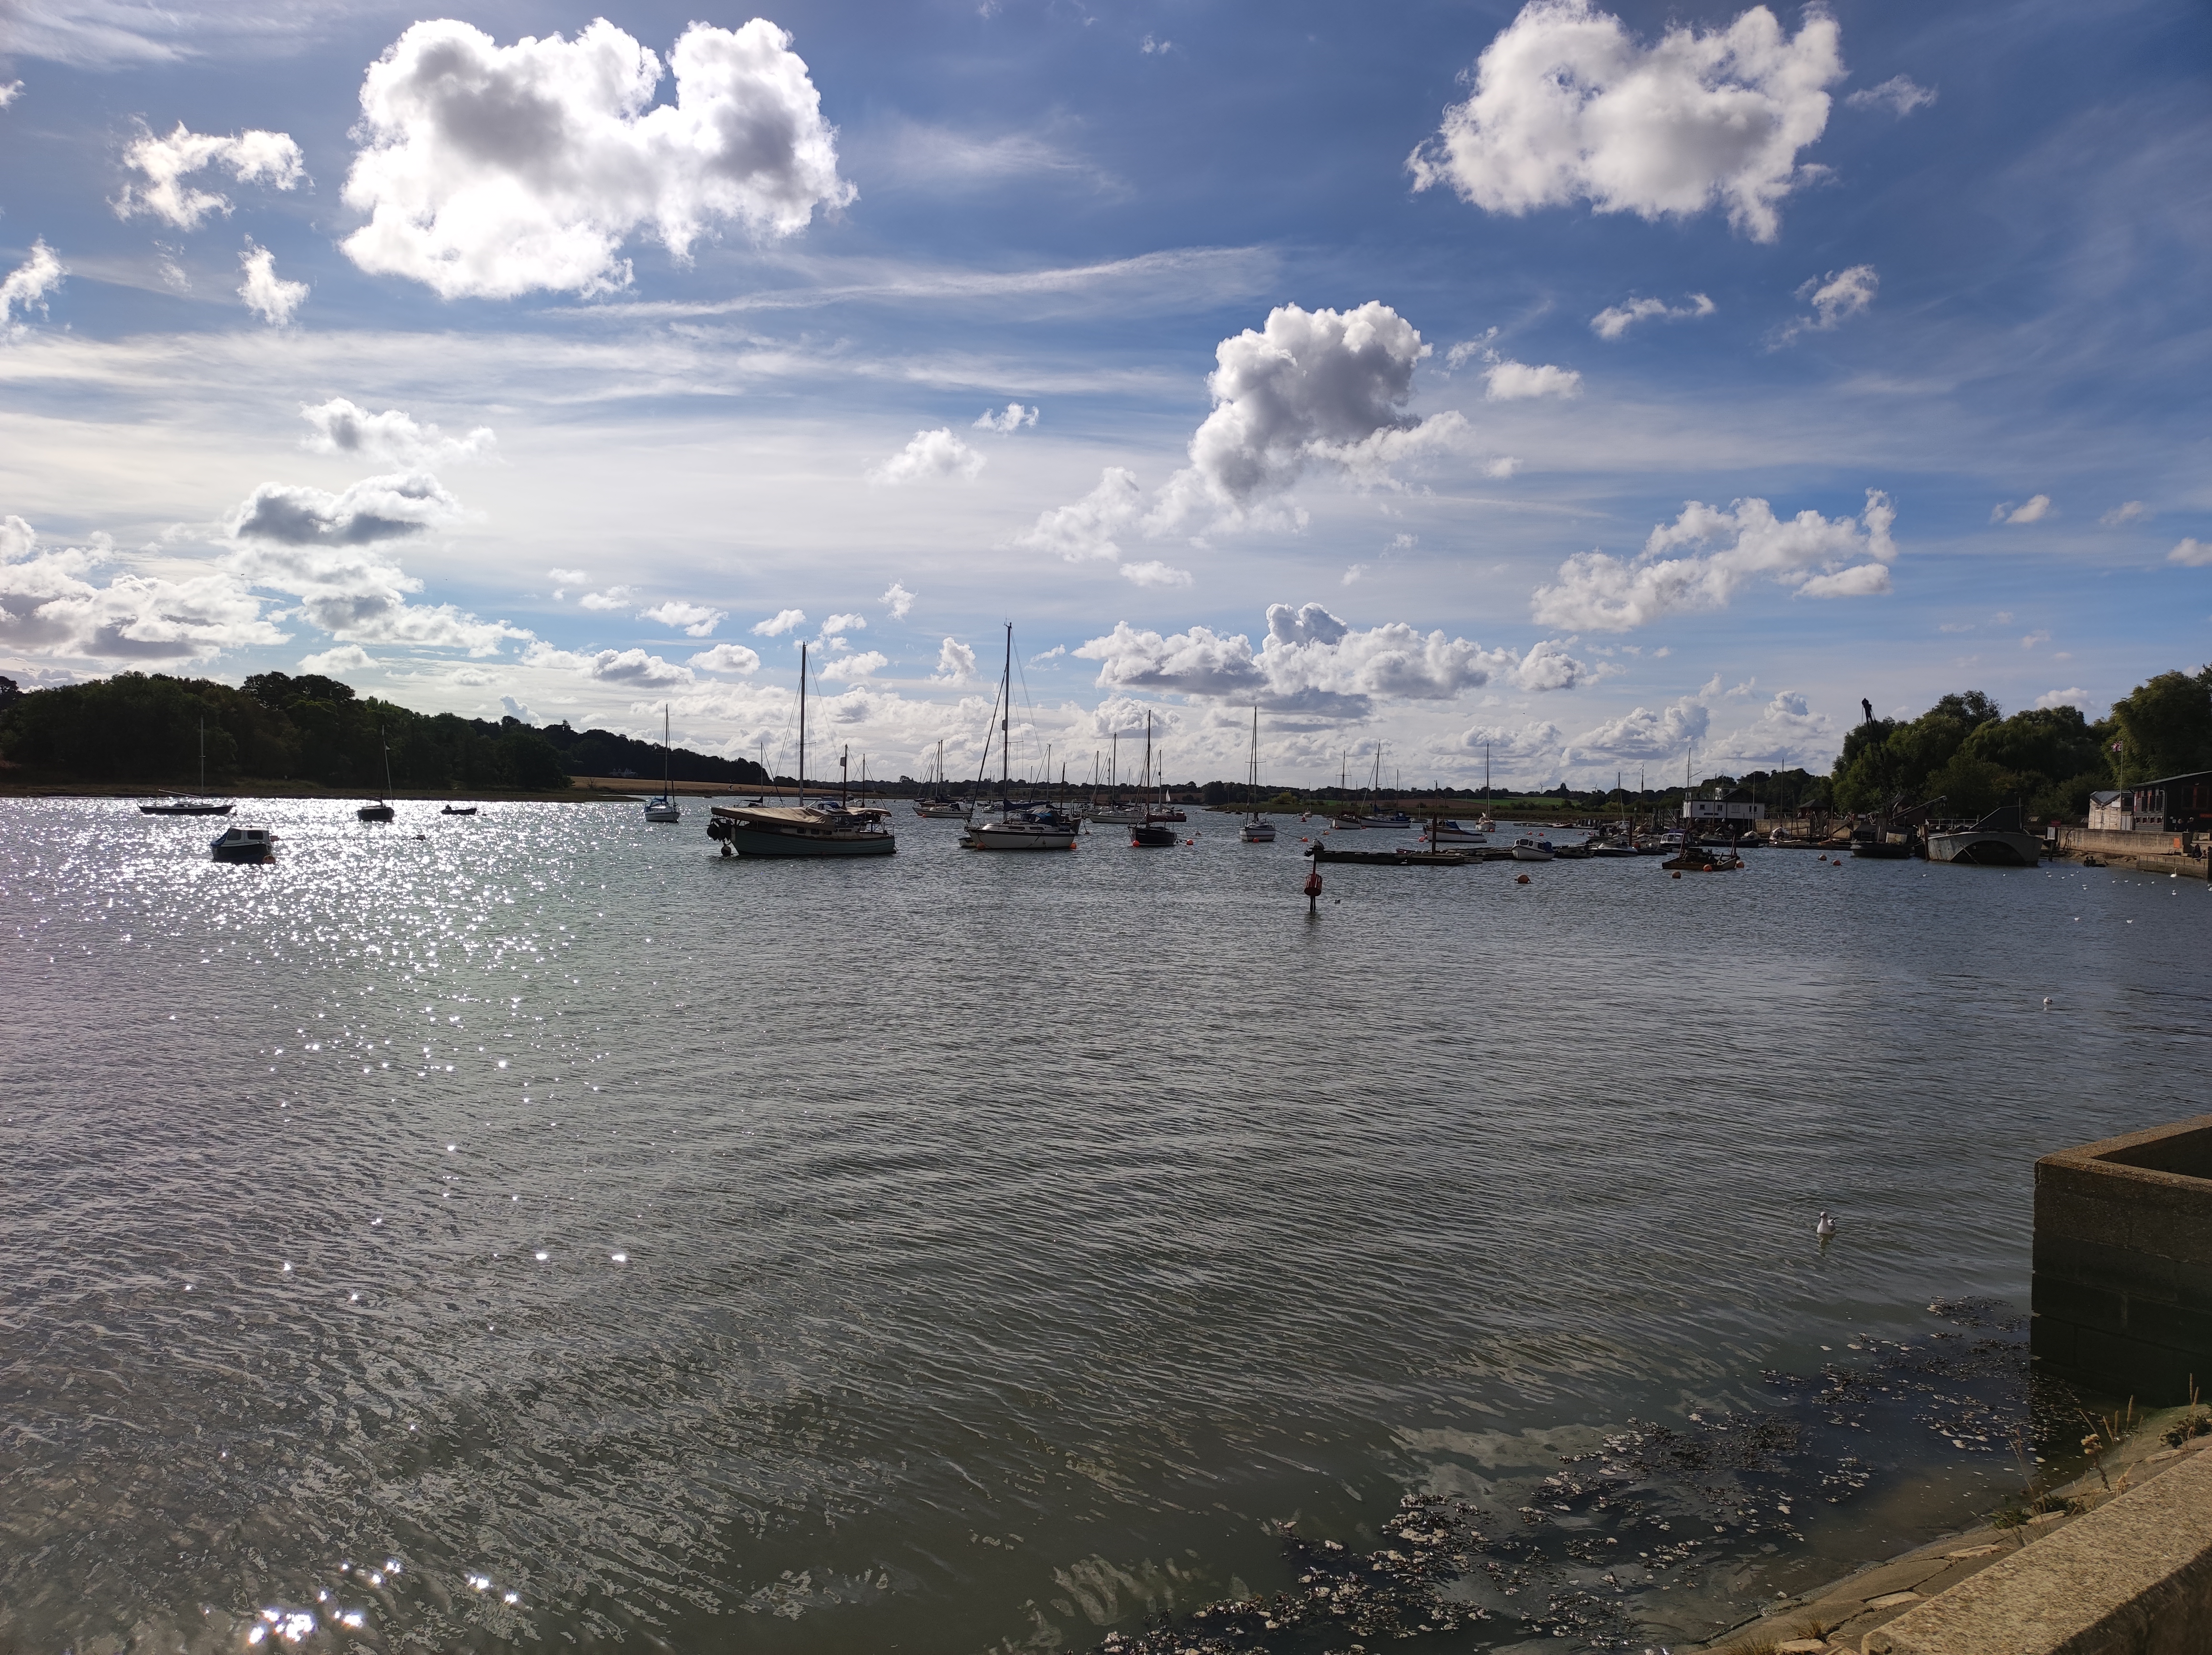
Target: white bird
x=2047 y=1002
x=1826 y=1227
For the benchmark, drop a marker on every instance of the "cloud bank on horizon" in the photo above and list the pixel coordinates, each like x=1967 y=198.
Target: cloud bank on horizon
x=732 y=310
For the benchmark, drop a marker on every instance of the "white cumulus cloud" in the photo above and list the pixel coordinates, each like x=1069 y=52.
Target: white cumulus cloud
x=49 y=606
x=615 y=597
x=2052 y=698
x=1008 y=420
x=490 y=170
x=2192 y=552
x=955 y=662
x=342 y=426
x=164 y=164
x=2034 y=510
x=25 y=287
x=1313 y=663
x=9 y=91
x=867 y=663
x=1513 y=382
x=1899 y=94
x=632 y=668
x=780 y=622
x=1568 y=105
x=1645 y=732
x=267 y=295
x=899 y=600
x=376 y=508
x=936 y=453
x=1615 y=320
x=839 y=624
x=1822 y=557
x=696 y=619
x=343 y=657
x=726 y=658
x=2127 y=512
x=1836 y=298
x=1091 y=527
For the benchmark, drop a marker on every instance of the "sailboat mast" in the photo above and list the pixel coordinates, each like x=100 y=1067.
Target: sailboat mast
x=802 y=726
x=1005 y=724
x=665 y=770
x=202 y=758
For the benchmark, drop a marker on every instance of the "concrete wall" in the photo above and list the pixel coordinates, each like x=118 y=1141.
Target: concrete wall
x=2134 y=1577
x=2142 y=842
x=2123 y=1264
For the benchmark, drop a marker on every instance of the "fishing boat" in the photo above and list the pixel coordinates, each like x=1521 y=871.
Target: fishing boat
x=936 y=802
x=663 y=808
x=801 y=830
x=1257 y=829
x=241 y=844
x=1533 y=850
x=381 y=810
x=1032 y=826
x=179 y=805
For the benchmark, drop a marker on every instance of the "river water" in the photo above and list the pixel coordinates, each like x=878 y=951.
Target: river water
x=533 y=1229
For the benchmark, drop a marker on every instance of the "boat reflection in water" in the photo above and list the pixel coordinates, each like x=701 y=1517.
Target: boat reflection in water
x=801 y=829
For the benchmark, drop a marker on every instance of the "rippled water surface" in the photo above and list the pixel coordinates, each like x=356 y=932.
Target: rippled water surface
x=532 y=1228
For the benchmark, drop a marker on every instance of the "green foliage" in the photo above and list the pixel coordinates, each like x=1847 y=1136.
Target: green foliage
x=1965 y=752
x=2165 y=727
x=146 y=727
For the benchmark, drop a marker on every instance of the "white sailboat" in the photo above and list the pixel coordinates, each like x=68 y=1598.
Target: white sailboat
x=1039 y=826
x=663 y=808
x=803 y=829
x=1257 y=830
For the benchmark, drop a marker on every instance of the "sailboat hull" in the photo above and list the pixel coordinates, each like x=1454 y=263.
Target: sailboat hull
x=1258 y=832
x=1016 y=836
x=374 y=813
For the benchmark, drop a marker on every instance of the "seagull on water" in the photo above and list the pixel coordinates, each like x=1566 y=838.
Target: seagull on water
x=1826 y=1227
x=2047 y=1002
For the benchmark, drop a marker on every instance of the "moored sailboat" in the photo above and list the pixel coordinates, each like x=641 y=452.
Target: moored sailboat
x=663 y=808
x=178 y=805
x=381 y=810
x=1037 y=827
x=1257 y=829
x=801 y=830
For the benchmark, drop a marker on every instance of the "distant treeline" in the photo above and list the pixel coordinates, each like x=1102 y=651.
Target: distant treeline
x=146 y=727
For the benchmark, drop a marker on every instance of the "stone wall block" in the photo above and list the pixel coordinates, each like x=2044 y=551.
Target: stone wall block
x=2125 y=1271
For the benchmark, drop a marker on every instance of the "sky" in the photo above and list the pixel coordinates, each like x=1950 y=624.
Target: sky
x=1563 y=388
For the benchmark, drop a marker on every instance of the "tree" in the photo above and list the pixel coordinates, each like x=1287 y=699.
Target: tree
x=2165 y=727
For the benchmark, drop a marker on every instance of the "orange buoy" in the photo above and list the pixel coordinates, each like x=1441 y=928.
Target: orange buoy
x=1521 y=879
x=1677 y=875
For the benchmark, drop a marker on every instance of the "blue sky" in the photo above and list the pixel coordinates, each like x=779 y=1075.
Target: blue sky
x=1583 y=382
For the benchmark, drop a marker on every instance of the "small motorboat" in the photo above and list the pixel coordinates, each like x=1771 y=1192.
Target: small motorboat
x=1533 y=850
x=459 y=811
x=1613 y=847
x=241 y=844
x=1704 y=860
x=941 y=810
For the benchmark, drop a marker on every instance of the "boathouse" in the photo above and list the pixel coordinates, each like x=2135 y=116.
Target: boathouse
x=2171 y=804
x=1737 y=811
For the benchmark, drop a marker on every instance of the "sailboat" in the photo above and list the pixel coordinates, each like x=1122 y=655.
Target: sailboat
x=1118 y=811
x=1039 y=826
x=1258 y=830
x=935 y=802
x=663 y=808
x=1156 y=830
x=381 y=810
x=201 y=806
x=803 y=829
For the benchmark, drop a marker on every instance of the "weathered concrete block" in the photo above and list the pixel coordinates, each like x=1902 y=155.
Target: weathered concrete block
x=2123 y=1275
x=2134 y=1577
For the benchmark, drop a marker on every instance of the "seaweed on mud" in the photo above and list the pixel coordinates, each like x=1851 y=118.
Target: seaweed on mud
x=1653 y=1508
